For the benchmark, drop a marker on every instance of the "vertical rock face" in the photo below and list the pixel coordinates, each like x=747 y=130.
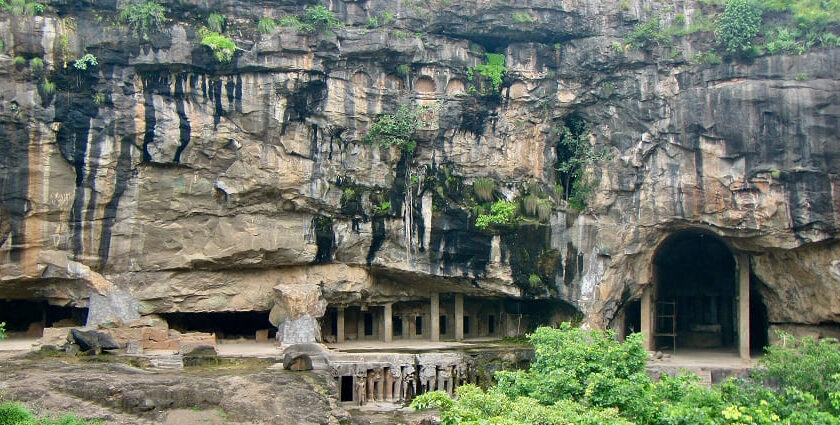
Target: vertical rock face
x=195 y=186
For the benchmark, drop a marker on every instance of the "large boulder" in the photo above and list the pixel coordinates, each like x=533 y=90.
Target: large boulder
x=295 y=312
x=307 y=356
x=92 y=340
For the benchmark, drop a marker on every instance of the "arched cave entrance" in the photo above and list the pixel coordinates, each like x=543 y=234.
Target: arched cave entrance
x=695 y=303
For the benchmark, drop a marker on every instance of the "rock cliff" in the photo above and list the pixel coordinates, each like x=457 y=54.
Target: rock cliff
x=200 y=186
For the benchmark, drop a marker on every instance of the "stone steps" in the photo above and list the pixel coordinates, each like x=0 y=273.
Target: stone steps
x=167 y=363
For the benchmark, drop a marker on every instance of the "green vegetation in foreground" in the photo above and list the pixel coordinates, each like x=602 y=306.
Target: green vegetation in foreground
x=588 y=378
x=2 y=330
x=17 y=414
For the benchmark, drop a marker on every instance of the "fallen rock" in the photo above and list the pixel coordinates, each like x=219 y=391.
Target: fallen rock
x=301 y=357
x=91 y=340
x=197 y=344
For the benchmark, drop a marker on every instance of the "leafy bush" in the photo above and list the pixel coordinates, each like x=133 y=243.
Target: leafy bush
x=216 y=22
x=36 y=64
x=223 y=48
x=382 y=209
x=576 y=154
x=2 y=330
x=23 y=7
x=17 y=414
x=315 y=18
x=143 y=17
x=88 y=60
x=19 y=61
x=648 y=35
x=403 y=70
x=589 y=377
x=738 y=25
x=484 y=189
x=395 y=129
x=266 y=25
x=48 y=87
x=373 y=22
x=501 y=213
x=494 y=70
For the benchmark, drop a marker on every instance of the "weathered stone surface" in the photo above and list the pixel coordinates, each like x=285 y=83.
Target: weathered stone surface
x=201 y=187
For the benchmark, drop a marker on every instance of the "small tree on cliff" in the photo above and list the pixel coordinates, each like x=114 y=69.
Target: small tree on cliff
x=575 y=153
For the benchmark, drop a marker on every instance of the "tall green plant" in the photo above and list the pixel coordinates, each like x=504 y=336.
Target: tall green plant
x=266 y=25
x=396 y=129
x=494 y=70
x=738 y=25
x=576 y=152
x=143 y=17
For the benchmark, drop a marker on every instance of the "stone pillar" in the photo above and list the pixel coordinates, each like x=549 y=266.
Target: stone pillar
x=459 y=317
x=388 y=329
x=389 y=385
x=360 y=325
x=647 y=317
x=408 y=326
x=744 y=306
x=339 y=328
x=434 y=320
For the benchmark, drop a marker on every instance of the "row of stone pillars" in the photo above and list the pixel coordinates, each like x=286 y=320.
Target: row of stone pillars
x=434 y=325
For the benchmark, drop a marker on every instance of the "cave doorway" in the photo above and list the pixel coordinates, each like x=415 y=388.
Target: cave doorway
x=28 y=318
x=695 y=302
x=226 y=325
x=632 y=318
x=759 y=322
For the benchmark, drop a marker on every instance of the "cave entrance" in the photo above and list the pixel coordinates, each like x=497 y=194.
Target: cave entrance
x=700 y=299
x=632 y=318
x=759 y=322
x=226 y=325
x=28 y=318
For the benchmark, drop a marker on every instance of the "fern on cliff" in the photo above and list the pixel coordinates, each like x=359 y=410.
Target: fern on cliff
x=143 y=17
x=223 y=48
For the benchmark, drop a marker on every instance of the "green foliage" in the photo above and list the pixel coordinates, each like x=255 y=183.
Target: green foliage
x=576 y=154
x=387 y=18
x=617 y=47
x=501 y=213
x=315 y=18
x=144 y=17
x=19 y=61
x=86 y=61
x=802 y=76
x=534 y=281
x=17 y=414
x=48 y=87
x=23 y=7
x=36 y=64
x=403 y=70
x=382 y=209
x=223 y=48
x=494 y=70
x=216 y=22
x=373 y=22
x=707 y=58
x=99 y=99
x=522 y=18
x=396 y=129
x=738 y=25
x=266 y=25
x=484 y=189
x=582 y=377
x=2 y=330
x=648 y=35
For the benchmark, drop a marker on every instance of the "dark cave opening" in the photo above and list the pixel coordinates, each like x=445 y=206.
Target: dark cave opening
x=28 y=318
x=632 y=318
x=759 y=322
x=695 y=302
x=226 y=325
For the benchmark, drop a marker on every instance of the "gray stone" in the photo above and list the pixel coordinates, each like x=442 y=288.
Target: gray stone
x=116 y=306
x=95 y=341
x=304 y=329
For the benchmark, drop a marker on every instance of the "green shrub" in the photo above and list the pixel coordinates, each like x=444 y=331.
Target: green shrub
x=15 y=413
x=387 y=18
x=216 y=22
x=522 y=18
x=223 y=48
x=36 y=64
x=494 y=70
x=648 y=35
x=33 y=8
x=403 y=70
x=373 y=22
x=48 y=87
x=501 y=213
x=19 y=61
x=395 y=129
x=707 y=58
x=88 y=60
x=99 y=99
x=382 y=209
x=484 y=189
x=23 y=7
x=738 y=25
x=576 y=154
x=266 y=25
x=321 y=18
x=2 y=330
x=143 y=18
